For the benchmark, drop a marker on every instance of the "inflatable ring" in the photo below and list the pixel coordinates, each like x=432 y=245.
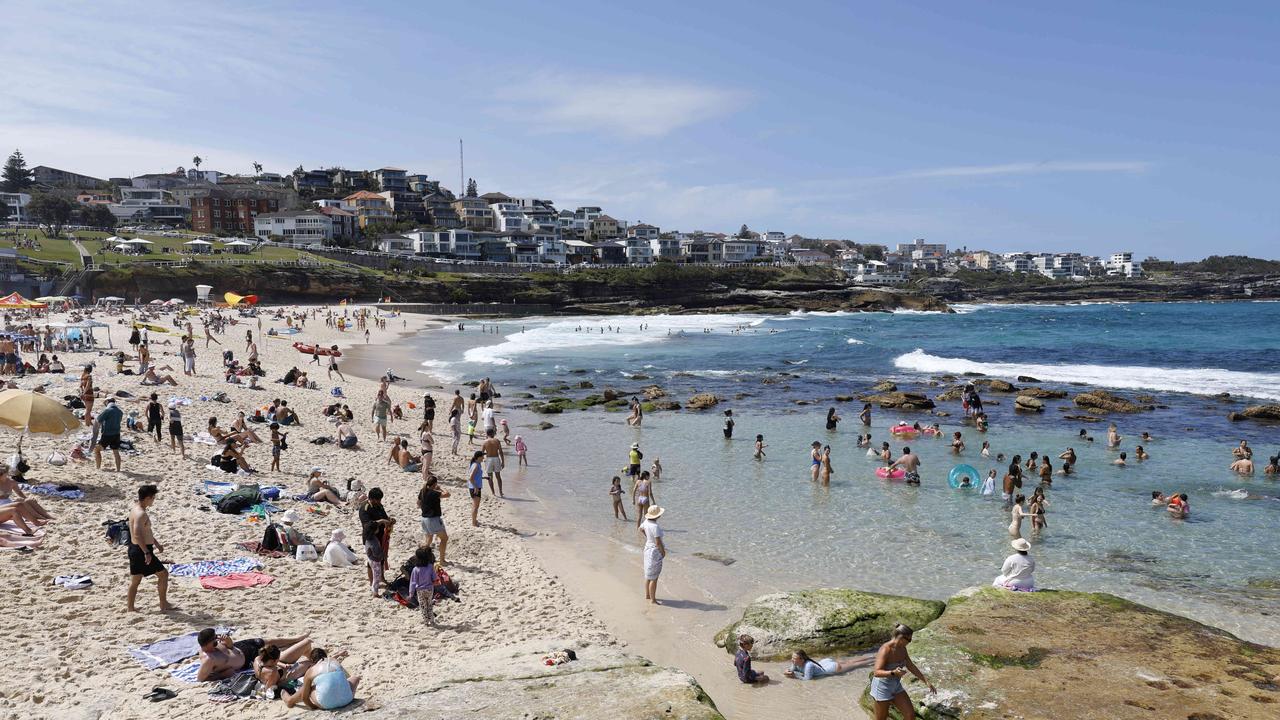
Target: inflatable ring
x=961 y=471
x=903 y=431
x=890 y=474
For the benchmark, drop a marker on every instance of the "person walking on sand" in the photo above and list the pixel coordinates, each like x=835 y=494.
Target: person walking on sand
x=108 y=422
x=87 y=393
x=155 y=415
x=475 y=485
x=654 y=552
x=143 y=547
x=495 y=458
x=455 y=427
x=432 y=517
x=333 y=364
x=892 y=664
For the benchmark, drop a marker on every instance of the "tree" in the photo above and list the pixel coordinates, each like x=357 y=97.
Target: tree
x=257 y=168
x=472 y=190
x=873 y=252
x=16 y=176
x=52 y=210
x=98 y=215
x=744 y=231
x=299 y=172
x=196 y=161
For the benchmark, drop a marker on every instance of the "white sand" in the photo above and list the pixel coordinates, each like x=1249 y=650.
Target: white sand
x=67 y=649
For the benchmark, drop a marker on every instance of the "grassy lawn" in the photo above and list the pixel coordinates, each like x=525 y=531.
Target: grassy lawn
x=165 y=248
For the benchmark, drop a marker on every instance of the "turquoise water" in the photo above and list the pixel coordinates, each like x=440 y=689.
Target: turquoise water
x=784 y=532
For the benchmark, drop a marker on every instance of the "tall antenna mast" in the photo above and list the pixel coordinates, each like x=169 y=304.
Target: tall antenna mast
x=462 y=171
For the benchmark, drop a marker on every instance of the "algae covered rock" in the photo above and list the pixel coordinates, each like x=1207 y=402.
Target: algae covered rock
x=1080 y=656
x=884 y=386
x=1042 y=393
x=1026 y=403
x=829 y=621
x=1257 y=412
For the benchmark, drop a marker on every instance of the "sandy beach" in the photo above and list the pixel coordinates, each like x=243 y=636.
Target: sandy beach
x=70 y=647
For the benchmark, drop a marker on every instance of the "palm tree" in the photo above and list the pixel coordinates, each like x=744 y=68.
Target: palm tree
x=196 y=161
x=257 y=168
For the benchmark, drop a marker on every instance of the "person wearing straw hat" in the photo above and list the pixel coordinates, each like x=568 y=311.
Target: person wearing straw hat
x=1018 y=568
x=654 y=552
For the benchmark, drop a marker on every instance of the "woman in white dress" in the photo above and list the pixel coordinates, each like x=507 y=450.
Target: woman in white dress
x=654 y=552
x=1018 y=569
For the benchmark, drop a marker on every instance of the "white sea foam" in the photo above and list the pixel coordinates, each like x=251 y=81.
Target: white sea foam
x=562 y=335
x=438 y=369
x=854 y=341
x=1202 y=381
x=1239 y=494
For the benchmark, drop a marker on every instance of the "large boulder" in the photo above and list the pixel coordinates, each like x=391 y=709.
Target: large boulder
x=702 y=401
x=827 y=621
x=903 y=400
x=1257 y=412
x=955 y=392
x=653 y=392
x=1089 y=655
x=1103 y=401
x=1042 y=393
x=1026 y=403
x=994 y=385
x=884 y=386
x=515 y=684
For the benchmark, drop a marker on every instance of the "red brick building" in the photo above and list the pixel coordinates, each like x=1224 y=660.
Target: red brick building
x=229 y=211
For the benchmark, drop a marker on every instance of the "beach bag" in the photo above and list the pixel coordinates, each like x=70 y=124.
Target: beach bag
x=56 y=458
x=442 y=578
x=271 y=493
x=306 y=552
x=239 y=500
x=117 y=532
x=271 y=538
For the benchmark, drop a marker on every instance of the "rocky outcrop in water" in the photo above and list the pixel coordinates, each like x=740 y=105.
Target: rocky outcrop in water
x=702 y=401
x=1103 y=401
x=996 y=654
x=517 y=685
x=1269 y=413
x=1026 y=403
x=828 y=621
x=1042 y=393
x=900 y=400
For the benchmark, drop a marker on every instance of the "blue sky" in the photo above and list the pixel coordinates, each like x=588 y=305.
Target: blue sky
x=1001 y=125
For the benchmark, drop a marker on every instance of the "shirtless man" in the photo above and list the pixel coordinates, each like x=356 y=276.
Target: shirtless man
x=910 y=463
x=143 y=547
x=221 y=658
x=495 y=458
x=458 y=402
x=1243 y=466
x=8 y=356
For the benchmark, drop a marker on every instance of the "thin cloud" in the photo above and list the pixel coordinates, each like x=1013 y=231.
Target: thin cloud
x=1025 y=168
x=633 y=106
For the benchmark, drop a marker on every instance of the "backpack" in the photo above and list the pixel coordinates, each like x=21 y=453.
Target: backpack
x=271 y=538
x=117 y=532
x=239 y=500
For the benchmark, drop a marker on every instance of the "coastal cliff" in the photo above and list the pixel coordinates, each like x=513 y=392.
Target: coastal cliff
x=660 y=288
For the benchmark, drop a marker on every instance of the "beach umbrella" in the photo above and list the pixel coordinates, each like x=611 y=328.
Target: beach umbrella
x=35 y=413
x=157 y=301
x=177 y=301
x=140 y=241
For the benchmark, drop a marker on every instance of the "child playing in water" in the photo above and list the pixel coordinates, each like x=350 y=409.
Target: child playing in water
x=615 y=491
x=760 y=446
x=989 y=485
x=522 y=452
x=506 y=432
x=986 y=448
x=1178 y=506
x=656 y=469
x=1121 y=460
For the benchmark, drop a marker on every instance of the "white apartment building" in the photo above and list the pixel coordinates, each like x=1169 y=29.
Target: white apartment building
x=395 y=244
x=1018 y=262
x=509 y=217
x=303 y=227
x=875 y=272
x=458 y=243
x=668 y=247
x=737 y=250
x=921 y=250
x=17 y=204
x=638 y=251
x=1122 y=264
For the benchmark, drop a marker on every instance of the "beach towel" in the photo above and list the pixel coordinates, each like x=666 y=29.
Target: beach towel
x=52 y=490
x=73 y=582
x=235 y=580
x=187 y=673
x=171 y=650
x=204 y=568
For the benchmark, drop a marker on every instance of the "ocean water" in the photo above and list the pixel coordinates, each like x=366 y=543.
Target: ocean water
x=783 y=531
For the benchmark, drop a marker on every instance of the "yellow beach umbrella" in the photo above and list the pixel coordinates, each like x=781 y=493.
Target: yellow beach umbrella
x=36 y=413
